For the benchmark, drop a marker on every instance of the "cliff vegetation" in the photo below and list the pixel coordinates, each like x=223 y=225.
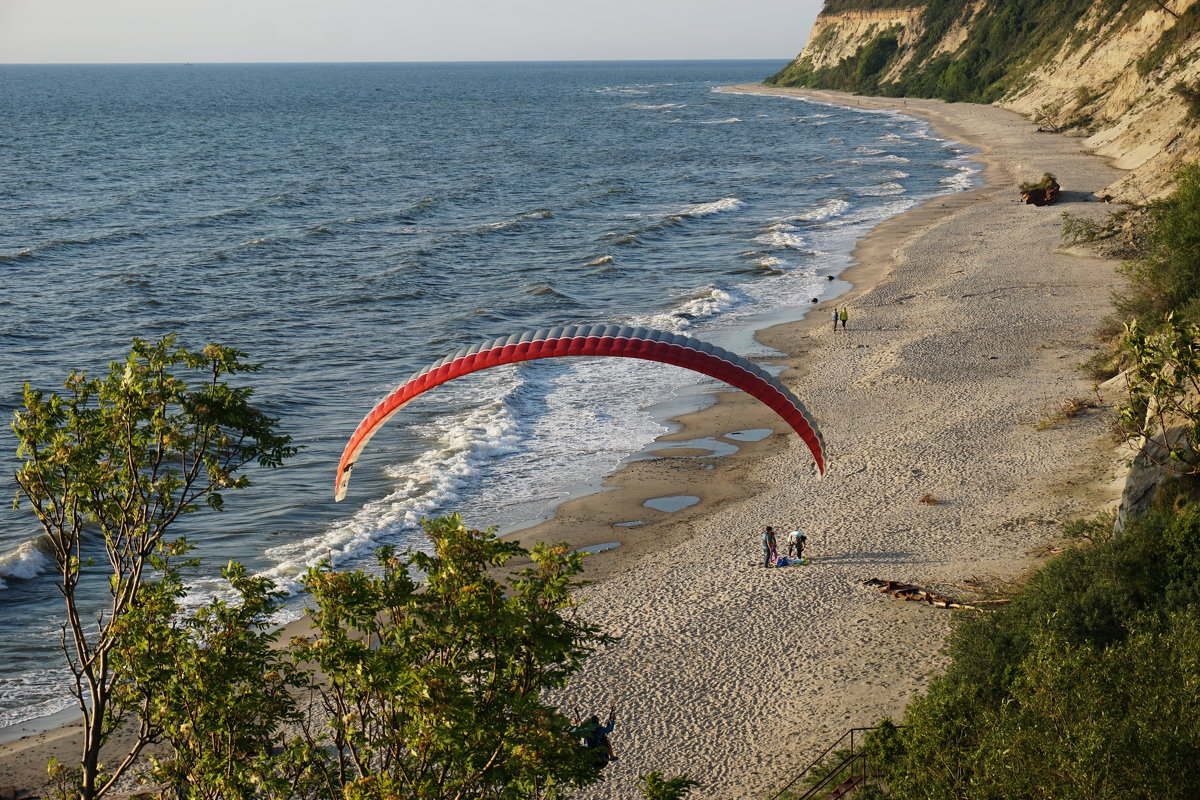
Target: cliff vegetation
x=1125 y=73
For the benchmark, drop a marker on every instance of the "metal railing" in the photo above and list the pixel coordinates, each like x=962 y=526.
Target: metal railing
x=853 y=767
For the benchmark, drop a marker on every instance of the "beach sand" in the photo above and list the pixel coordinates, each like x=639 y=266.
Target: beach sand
x=967 y=319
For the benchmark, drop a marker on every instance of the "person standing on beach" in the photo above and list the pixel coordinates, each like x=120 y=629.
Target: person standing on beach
x=770 y=545
x=843 y=316
x=796 y=541
x=835 y=317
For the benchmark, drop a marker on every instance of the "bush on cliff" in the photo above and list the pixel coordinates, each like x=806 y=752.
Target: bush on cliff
x=1166 y=279
x=1084 y=687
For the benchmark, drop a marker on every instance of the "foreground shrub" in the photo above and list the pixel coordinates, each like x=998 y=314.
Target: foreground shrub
x=1085 y=687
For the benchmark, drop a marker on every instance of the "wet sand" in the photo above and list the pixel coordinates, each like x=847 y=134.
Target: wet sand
x=966 y=322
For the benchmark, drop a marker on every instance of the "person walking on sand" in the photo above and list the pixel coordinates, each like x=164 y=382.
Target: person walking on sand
x=835 y=317
x=770 y=546
x=843 y=315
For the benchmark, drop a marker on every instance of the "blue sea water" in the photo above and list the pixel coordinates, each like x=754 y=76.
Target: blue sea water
x=347 y=224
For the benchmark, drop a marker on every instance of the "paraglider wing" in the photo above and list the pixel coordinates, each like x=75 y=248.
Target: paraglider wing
x=590 y=340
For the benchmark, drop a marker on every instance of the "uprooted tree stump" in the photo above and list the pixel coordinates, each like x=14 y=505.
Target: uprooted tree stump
x=1042 y=192
x=909 y=591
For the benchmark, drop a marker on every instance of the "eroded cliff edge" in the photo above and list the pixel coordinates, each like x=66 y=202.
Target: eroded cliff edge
x=1124 y=74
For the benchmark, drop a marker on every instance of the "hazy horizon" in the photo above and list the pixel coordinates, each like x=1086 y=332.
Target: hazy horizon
x=43 y=32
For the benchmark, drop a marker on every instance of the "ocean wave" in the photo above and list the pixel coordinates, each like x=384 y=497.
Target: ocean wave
x=463 y=444
x=104 y=237
x=36 y=692
x=869 y=151
x=705 y=303
x=25 y=252
x=698 y=211
x=546 y=290
x=31 y=558
x=963 y=177
x=715 y=207
x=599 y=262
x=658 y=107
x=827 y=209
x=884 y=189
x=728 y=121
x=515 y=222
x=782 y=236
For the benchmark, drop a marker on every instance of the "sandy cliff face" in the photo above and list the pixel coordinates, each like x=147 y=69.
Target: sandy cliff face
x=1113 y=80
x=836 y=37
x=1134 y=117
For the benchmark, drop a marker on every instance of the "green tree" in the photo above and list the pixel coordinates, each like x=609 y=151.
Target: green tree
x=1162 y=413
x=435 y=690
x=1167 y=278
x=119 y=460
x=221 y=694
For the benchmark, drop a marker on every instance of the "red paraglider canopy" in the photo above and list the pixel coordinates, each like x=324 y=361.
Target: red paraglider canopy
x=590 y=340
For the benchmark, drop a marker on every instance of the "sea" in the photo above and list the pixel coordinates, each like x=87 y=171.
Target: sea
x=347 y=224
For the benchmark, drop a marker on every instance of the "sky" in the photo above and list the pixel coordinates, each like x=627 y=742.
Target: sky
x=174 y=31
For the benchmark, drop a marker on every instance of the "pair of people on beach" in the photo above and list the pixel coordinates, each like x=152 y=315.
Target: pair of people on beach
x=840 y=316
x=795 y=541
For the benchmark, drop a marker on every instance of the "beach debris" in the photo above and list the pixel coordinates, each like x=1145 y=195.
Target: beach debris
x=919 y=594
x=909 y=591
x=928 y=500
x=590 y=341
x=1041 y=192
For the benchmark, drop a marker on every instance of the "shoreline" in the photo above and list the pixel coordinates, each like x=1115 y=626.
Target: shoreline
x=677 y=569
x=655 y=469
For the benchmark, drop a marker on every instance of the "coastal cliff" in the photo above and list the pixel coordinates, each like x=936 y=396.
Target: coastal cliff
x=1123 y=74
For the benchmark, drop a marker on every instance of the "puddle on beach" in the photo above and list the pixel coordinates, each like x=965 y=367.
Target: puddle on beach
x=672 y=504
x=631 y=524
x=598 y=548
x=708 y=447
x=774 y=370
x=750 y=435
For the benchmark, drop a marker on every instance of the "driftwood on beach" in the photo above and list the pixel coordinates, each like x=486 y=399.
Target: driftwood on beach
x=908 y=591
x=1042 y=192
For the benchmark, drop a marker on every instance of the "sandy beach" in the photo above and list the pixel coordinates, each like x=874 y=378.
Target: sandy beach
x=967 y=319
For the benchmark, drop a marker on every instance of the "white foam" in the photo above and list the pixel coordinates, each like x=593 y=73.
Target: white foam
x=885 y=189
x=728 y=121
x=28 y=560
x=782 y=236
x=705 y=303
x=828 y=208
x=658 y=107
x=715 y=207
x=963 y=177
